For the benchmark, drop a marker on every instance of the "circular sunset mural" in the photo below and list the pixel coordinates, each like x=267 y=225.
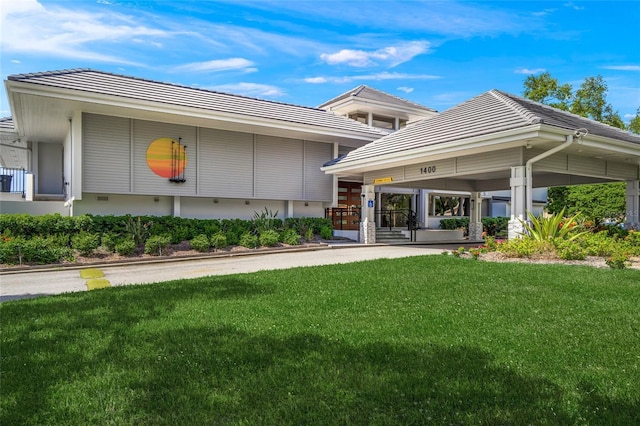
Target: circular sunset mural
x=166 y=157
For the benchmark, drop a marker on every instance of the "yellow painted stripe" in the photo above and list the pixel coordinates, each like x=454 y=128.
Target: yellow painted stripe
x=96 y=283
x=91 y=273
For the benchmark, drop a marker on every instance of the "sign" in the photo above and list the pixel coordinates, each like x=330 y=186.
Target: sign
x=383 y=180
x=370 y=204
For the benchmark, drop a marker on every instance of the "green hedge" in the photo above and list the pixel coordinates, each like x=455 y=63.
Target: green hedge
x=493 y=226
x=52 y=238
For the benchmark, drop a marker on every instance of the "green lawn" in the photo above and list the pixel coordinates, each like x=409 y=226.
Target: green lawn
x=422 y=340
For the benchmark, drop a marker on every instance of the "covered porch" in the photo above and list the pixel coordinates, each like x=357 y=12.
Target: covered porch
x=496 y=141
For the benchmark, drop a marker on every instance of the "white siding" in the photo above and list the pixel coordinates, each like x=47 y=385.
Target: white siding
x=279 y=171
x=489 y=161
x=318 y=186
x=147 y=182
x=225 y=168
x=106 y=154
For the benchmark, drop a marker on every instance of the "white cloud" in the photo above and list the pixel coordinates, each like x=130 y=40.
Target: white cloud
x=254 y=90
x=405 y=89
x=529 y=71
x=390 y=56
x=629 y=116
x=623 y=67
x=315 y=80
x=372 y=77
x=218 y=65
x=15 y=61
x=29 y=27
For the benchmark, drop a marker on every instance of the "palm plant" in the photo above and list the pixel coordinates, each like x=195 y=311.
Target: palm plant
x=552 y=227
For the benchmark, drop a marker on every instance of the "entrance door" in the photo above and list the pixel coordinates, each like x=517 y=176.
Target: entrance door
x=347 y=215
x=50 y=180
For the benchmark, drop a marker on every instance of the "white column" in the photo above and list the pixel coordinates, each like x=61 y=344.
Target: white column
x=632 y=220
x=475 y=217
x=176 y=206
x=518 y=201
x=288 y=208
x=368 y=224
x=424 y=215
x=370 y=119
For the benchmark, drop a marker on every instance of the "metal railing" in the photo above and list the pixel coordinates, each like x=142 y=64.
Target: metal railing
x=12 y=180
x=344 y=218
x=398 y=219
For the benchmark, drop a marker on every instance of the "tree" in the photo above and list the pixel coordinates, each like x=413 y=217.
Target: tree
x=589 y=100
x=634 y=125
x=545 y=89
x=597 y=202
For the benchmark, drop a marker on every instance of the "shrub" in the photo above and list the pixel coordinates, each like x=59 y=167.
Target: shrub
x=39 y=250
x=248 y=240
x=569 y=250
x=326 y=232
x=618 y=260
x=155 y=244
x=266 y=221
x=200 y=243
x=455 y=223
x=269 y=238
x=524 y=247
x=138 y=230
x=599 y=244
x=308 y=234
x=108 y=242
x=125 y=247
x=218 y=240
x=85 y=243
x=291 y=237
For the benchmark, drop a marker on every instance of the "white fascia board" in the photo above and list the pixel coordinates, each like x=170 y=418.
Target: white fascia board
x=122 y=102
x=614 y=145
x=507 y=139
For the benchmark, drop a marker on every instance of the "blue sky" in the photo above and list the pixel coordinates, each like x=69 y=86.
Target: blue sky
x=434 y=53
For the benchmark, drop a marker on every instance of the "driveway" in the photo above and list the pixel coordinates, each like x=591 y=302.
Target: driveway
x=25 y=284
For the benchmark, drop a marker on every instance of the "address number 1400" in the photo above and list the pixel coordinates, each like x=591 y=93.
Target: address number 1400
x=427 y=170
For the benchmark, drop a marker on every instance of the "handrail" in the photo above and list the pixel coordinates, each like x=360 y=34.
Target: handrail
x=406 y=217
x=12 y=180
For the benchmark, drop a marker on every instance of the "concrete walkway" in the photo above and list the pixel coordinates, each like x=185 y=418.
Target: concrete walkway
x=25 y=284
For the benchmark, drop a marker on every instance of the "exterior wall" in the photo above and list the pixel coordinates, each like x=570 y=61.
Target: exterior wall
x=190 y=207
x=219 y=163
x=584 y=166
x=33 y=207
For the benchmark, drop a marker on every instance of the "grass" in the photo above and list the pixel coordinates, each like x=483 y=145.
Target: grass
x=422 y=340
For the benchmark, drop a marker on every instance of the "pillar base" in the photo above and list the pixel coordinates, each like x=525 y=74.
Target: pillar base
x=475 y=231
x=367 y=232
x=516 y=229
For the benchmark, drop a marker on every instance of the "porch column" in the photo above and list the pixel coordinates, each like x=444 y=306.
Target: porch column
x=176 y=206
x=367 y=223
x=518 y=201
x=475 y=217
x=288 y=208
x=632 y=220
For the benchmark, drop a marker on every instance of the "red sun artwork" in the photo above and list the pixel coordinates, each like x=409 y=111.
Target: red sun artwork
x=166 y=157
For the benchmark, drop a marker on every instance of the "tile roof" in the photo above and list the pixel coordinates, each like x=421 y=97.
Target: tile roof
x=6 y=123
x=109 y=84
x=369 y=93
x=490 y=112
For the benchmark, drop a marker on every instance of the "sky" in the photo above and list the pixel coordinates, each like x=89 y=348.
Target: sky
x=435 y=53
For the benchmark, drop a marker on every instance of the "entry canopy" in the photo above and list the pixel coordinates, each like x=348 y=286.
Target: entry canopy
x=474 y=147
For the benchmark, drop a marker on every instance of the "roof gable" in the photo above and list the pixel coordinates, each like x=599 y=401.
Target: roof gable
x=368 y=93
